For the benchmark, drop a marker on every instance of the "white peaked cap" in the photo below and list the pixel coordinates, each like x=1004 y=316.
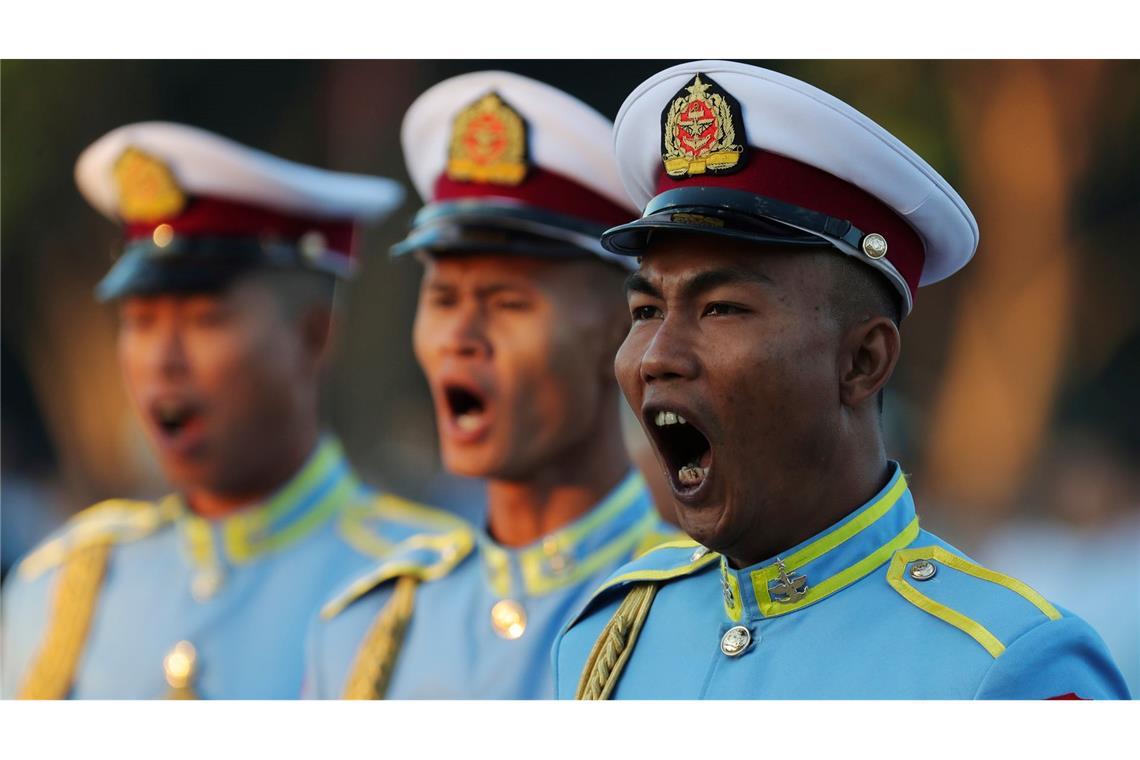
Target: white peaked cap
x=207 y=164
x=567 y=142
x=784 y=116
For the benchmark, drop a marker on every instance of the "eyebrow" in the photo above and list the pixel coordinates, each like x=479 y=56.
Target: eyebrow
x=714 y=278
x=700 y=283
x=638 y=283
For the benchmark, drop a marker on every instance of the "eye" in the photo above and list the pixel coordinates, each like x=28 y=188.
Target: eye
x=641 y=313
x=512 y=304
x=209 y=315
x=722 y=310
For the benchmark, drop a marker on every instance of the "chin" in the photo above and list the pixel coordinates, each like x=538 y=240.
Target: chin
x=703 y=526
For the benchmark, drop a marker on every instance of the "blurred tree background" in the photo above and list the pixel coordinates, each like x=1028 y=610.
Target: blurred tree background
x=1014 y=407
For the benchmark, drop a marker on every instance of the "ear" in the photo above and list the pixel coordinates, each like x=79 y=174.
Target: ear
x=869 y=353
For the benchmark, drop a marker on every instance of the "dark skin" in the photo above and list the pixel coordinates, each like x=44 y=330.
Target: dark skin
x=239 y=370
x=533 y=341
x=747 y=343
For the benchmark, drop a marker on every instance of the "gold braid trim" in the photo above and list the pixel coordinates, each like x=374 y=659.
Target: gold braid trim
x=615 y=644
x=76 y=593
x=376 y=659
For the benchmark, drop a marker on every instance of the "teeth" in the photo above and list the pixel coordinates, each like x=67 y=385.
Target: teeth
x=468 y=421
x=692 y=475
x=668 y=418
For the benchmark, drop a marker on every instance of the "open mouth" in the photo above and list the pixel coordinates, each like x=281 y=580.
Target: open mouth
x=174 y=417
x=467 y=408
x=685 y=449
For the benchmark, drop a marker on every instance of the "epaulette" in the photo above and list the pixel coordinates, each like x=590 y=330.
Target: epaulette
x=376 y=526
x=930 y=577
x=664 y=562
x=423 y=556
x=115 y=521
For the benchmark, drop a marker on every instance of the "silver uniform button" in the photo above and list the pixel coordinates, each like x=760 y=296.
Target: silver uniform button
x=875 y=246
x=923 y=570
x=735 y=640
x=699 y=552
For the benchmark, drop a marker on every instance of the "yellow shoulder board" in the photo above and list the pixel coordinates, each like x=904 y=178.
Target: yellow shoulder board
x=424 y=556
x=375 y=527
x=109 y=522
x=923 y=563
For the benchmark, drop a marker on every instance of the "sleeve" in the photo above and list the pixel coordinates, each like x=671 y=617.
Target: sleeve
x=1058 y=659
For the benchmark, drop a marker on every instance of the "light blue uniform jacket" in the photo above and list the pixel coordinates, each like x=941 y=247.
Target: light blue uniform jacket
x=484 y=615
x=887 y=611
x=240 y=590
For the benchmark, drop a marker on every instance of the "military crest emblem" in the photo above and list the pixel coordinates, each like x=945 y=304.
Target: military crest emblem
x=148 y=191
x=488 y=143
x=788 y=588
x=702 y=131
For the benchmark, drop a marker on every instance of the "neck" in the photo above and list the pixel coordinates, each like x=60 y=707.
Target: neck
x=828 y=491
x=522 y=511
x=259 y=483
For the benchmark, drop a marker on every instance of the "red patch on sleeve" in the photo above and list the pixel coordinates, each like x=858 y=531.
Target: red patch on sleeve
x=1070 y=695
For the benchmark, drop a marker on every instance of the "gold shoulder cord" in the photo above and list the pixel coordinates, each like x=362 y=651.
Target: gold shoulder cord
x=615 y=644
x=376 y=659
x=76 y=593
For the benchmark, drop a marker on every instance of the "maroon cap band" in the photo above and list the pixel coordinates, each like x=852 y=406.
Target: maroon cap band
x=217 y=217
x=788 y=180
x=542 y=189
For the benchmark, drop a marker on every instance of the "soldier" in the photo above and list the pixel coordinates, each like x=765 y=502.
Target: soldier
x=224 y=294
x=783 y=239
x=519 y=316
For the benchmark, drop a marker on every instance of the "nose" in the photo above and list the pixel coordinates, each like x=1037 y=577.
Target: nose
x=171 y=359
x=670 y=354
x=466 y=335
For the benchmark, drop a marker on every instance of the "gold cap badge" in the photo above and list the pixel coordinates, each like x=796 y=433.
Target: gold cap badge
x=488 y=143
x=148 y=191
x=701 y=130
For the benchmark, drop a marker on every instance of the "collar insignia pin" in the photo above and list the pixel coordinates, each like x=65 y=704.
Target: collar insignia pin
x=787 y=588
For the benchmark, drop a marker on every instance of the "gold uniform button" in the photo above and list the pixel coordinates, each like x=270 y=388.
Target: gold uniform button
x=735 y=640
x=923 y=570
x=508 y=619
x=179 y=664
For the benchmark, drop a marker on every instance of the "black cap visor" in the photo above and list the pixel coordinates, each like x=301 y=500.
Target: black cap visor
x=498 y=226
x=735 y=214
x=199 y=265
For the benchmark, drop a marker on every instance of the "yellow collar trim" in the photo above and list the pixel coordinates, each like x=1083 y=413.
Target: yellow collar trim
x=625 y=513
x=322 y=488
x=820 y=589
